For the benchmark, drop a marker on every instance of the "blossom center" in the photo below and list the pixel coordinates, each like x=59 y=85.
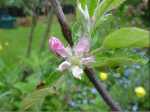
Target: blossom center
x=75 y=60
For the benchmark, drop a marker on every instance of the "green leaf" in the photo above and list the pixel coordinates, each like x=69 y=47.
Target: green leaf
x=92 y=6
x=115 y=4
x=127 y=38
x=114 y=61
x=52 y=77
x=29 y=85
x=83 y=3
x=36 y=98
x=118 y=57
x=25 y=87
x=107 y=5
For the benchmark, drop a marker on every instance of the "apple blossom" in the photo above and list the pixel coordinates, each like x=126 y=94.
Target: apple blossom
x=74 y=58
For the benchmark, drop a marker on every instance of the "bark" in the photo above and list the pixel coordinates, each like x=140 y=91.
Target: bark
x=62 y=20
x=101 y=89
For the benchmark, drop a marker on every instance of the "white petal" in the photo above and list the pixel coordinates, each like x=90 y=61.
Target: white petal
x=69 y=51
x=64 y=65
x=77 y=72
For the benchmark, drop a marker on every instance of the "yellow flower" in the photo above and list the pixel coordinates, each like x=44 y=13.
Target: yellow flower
x=6 y=43
x=1 y=47
x=103 y=76
x=140 y=91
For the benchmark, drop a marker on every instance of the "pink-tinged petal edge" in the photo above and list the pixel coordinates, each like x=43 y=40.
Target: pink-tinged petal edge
x=83 y=46
x=88 y=60
x=57 y=47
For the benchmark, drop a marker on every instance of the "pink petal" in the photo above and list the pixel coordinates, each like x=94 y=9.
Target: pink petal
x=83 y=46
x=57 y=47
x=64 y=65
x=88 y=60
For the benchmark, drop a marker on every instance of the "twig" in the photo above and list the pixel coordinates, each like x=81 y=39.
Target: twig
x=89 y=71
x=62 y=20
x=100 y=88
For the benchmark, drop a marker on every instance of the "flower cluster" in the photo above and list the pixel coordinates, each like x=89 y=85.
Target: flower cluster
x=74 y=58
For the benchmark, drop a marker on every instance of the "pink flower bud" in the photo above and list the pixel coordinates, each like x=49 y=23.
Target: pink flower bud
x=57 y=47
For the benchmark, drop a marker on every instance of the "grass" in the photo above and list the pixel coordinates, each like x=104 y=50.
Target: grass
x=17 y=40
